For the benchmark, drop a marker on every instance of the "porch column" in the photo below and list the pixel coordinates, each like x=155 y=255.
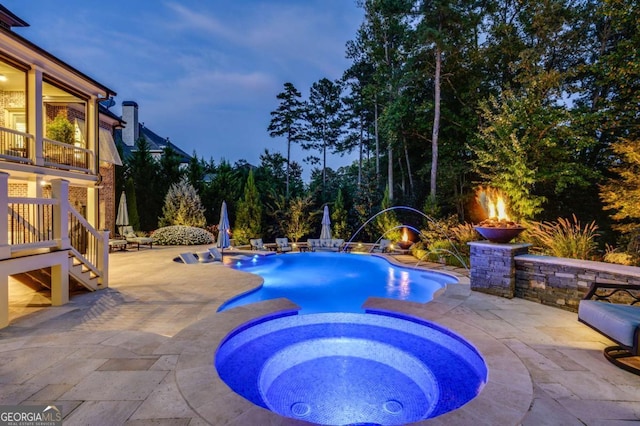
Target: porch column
x=93 y=204
x=4 y=300
x=103 y=258
x=35 y=111
x=92 y=133
x=60 y=283
x=5 y=249
x=60 y=192
x=34 y=187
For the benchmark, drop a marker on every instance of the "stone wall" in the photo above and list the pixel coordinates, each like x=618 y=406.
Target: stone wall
x=564 y=282
x=493 y=267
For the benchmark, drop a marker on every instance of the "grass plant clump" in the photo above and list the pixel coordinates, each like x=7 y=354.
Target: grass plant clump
x=179 y=235
x=564 y=238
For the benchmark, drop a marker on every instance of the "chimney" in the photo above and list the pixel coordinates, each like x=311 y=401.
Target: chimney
x=130 y=132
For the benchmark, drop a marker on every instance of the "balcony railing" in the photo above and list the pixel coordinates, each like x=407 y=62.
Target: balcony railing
x=62 y=155
x=18 y=146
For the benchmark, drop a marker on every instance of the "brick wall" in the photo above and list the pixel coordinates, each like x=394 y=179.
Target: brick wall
x=108 y=197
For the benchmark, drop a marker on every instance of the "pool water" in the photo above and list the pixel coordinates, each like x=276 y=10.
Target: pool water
x=348 y=368
x=335 y=282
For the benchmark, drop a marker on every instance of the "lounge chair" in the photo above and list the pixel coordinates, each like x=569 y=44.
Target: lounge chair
x=131 y=237
x=188 y=258
x=282 y=245
x=617 y=321
x=215 y=253
x=257 y=244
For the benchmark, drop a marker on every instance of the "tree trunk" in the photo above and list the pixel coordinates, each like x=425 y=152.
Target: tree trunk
x=436 y=125
x=288 y=160
x=390 y=171
x=406 y=157
x=375 y=125
x=360 y=151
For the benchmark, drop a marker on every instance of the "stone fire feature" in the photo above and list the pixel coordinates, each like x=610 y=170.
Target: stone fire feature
x=493 y=267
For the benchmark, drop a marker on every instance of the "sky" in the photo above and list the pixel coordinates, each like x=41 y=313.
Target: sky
x=205 y=74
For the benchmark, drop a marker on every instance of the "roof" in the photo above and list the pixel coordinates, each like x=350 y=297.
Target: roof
x=156 y=143
x=8 y=18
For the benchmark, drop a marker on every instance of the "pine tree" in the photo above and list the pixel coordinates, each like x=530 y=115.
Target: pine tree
x=249 y=217
x=287 y=121
x=339 y=217
x=182 y=206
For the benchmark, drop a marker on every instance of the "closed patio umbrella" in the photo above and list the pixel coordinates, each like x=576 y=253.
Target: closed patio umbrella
x=223 y=229
x=325 y=232
x=122 y=219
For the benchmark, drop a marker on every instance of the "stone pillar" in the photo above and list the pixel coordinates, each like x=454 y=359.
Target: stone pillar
x=493 y=268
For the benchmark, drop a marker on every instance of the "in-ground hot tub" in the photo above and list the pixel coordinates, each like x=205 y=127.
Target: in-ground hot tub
x=345 y=368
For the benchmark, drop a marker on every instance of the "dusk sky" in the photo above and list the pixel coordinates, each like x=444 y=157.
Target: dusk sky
x=204 y=73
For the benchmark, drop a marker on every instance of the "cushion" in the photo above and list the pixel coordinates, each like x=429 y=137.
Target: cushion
x=613 y=320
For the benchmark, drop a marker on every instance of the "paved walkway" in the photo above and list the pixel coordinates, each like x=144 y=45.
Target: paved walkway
x=140 y=352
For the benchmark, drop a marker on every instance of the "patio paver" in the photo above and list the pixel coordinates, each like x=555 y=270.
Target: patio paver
x=140 y=352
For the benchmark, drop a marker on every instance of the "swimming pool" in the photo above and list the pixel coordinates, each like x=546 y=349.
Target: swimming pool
x=348 y=368
x=335 y=282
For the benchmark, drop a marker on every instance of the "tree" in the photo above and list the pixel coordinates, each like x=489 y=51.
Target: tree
x=169 y=169
x=132 y=204
x=143 y=170
x=287 y=121
x=339 y=216
x=324 y=119
x=249 y=216
x=182 y=206
x=297 y=224
x=387 y=224
x=61 y=129
x=622 y=192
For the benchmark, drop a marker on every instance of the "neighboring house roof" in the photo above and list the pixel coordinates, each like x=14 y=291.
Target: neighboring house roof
x=157 y=143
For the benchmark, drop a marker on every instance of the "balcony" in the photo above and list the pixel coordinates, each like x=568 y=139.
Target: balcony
x=20 y=147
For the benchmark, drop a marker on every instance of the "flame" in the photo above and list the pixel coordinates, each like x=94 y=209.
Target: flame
x=405 y=235
x=493 y=203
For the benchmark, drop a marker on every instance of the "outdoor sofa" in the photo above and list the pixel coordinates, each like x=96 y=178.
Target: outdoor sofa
x=325 y=244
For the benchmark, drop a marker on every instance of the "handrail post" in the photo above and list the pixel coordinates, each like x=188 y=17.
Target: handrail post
x=60 y=192
x=103 y=257
x=5 y=249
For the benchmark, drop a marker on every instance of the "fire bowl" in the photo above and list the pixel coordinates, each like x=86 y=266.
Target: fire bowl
x=499 y=235
x=404 y=245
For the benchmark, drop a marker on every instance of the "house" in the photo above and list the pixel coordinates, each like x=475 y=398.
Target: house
x=132 y=129
x=57 y=159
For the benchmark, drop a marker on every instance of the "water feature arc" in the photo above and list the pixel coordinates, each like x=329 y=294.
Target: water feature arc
x=455 y=251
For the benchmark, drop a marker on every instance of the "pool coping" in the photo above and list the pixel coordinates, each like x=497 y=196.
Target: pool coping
x=505 y=399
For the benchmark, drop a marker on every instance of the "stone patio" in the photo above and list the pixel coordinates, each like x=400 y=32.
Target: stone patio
x=141 y=352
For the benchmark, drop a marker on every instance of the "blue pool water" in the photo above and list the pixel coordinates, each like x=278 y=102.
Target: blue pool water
x=349 y=368
x=335 y=282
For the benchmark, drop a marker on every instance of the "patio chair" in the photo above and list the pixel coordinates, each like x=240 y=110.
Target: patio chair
x=383 y=246
x=257 y=244
x=282 y=245
x=132 y=238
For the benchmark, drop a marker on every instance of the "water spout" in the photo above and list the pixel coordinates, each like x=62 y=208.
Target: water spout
x=455 y=251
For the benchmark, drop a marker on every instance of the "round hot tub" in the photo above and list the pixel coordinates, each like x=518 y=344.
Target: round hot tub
x=346 y=368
